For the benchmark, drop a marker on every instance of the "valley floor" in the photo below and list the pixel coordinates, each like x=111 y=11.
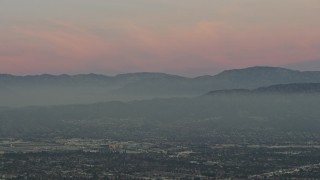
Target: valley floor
x=77 y=158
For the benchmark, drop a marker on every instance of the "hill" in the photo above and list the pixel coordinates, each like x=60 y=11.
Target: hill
x=285 y=89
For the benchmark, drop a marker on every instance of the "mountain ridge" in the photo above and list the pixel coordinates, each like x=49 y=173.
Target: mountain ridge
x=278 y=88
x=231 y=72
x=89 y=88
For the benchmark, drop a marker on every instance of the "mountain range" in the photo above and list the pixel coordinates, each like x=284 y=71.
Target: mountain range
x=90 y=88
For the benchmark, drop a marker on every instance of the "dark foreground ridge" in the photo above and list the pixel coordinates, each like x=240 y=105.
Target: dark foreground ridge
x=295 y=88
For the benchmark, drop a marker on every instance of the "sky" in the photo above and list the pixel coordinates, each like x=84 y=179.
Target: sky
x=185 y=37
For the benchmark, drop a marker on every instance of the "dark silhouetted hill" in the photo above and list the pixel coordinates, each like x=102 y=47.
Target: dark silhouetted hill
x=296 y=88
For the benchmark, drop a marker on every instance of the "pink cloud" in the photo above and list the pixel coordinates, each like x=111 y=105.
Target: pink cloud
x=62 y=47
x=210 y=43
x=58 y=47
x=67 y=40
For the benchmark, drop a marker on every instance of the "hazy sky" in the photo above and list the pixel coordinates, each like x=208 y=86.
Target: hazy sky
x=188 y=37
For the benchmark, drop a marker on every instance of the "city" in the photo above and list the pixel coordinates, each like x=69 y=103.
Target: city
x=106 y=159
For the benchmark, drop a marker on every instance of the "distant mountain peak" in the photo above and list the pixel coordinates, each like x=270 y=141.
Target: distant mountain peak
x=147 y=75
x=257 y=69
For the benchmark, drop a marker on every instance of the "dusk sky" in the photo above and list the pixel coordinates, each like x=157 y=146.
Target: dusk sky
x=185 y=37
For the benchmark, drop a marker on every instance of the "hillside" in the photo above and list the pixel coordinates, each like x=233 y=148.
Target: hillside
x=284 y=89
